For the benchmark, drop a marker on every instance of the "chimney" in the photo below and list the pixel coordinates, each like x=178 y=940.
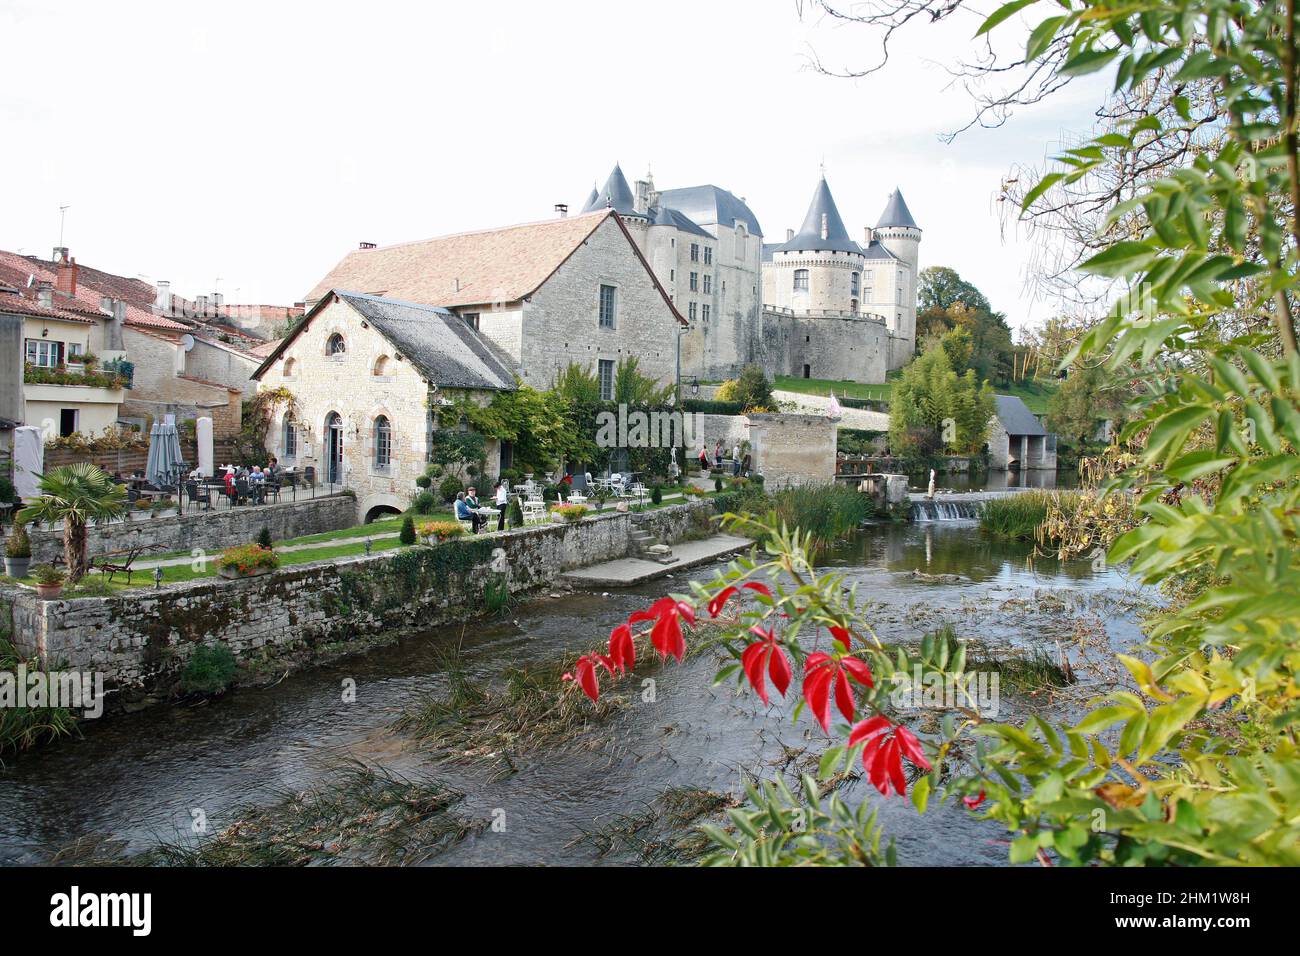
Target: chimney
x=45 y=295
x=163 y=303
x=66 y=279
x=202 y=306
x=867 y=233
x=562 y=210
x=115 y=329
x=218 y=300
x=789 y=234
x=366 y=245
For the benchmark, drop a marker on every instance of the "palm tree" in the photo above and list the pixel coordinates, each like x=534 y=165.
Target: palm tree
x=76 y=495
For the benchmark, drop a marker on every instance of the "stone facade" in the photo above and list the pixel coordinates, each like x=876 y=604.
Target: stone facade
x=341 y=397
x=793 y=449
x=212 y=531
x=141 y=640
x=161 y=386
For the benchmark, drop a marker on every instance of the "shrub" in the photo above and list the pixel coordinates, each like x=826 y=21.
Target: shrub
x=249 y=558
x=694 y=492
x=712 y=407
x=449 y=487
x=432 y=531
x=19 y=544
x=264 y=538
x=656 y=495
x=717 y=484
x=423 y=482
x=47 y=574
x=516 y=515
x=211 y=669
x=425 y=503
x=570 y=513
x=407 y=534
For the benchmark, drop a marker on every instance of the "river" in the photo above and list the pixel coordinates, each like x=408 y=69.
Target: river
x=145 y=777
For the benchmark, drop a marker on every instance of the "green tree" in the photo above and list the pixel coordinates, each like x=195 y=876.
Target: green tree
x=77 y=495
x=939 y=288
x=751 y=388
x=1088 y=396
x=934 y=409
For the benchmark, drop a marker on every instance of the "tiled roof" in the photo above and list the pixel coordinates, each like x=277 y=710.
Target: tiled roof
x=16 y=302
x=472 y=268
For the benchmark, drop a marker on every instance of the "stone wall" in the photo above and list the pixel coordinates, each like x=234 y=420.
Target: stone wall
x=214 y=530
x=793 y=449
x=141 y=640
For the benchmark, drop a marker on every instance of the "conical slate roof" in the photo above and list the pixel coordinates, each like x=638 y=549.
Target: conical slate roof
x=823 y=229
x=592 y=200
x=616 y=194
x=896 y=213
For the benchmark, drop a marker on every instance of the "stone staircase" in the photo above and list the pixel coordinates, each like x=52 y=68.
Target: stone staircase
x=649 y=548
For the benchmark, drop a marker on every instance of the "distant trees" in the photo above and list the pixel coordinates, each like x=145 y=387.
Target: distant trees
x=946 y=301
x=940 y=406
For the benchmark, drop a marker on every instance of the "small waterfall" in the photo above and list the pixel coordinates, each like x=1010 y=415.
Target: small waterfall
x=940 y=510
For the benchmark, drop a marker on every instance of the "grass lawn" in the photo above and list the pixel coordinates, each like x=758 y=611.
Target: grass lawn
x=1034 y=394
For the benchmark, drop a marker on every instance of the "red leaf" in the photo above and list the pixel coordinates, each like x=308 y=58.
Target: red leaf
x=973 y=802
x=858 y=670
x=587 y=679
x=622 y=652
x=819 y=670
x=759 y=587
x=843 y=695
x=752 y=661
x=868 y=728
x=894 y=764
x=912 y=748
x=779 y=669
x=720 y=599
x=816 y=689
x=841 y=635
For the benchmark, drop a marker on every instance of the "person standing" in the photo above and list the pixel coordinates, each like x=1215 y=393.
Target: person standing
x=717 y=454
x=704 y=456
x=735 y=459
x=501 y=502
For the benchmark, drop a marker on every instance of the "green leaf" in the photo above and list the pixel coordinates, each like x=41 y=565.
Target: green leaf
x=1041 y=187
x=1103 y=717
x=1164 y=722
x=921 y=794
x=1089 y=61
x=1120 y=259
x=1001 y=14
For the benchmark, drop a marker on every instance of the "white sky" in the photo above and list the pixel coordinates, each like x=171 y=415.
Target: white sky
x=259 y=142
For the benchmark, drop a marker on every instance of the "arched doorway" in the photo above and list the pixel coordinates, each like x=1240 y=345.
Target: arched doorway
x=334 y=448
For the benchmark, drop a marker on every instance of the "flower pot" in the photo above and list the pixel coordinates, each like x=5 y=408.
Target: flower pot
x=236 y=573
x=17 y=567
x=48 y=592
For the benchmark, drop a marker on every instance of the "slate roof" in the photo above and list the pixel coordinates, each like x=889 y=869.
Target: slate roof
x=823 y=229
x=1016 y=417
x=877 y=251
x=673 y=217
x=442 y=345
x=896 y=212
x=616 y=194
x=711 y=205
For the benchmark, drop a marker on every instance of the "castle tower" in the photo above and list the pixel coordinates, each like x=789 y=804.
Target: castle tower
x=819 y=268
x=898 y=232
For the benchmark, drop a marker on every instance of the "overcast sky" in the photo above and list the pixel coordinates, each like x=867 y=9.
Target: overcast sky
x=259 y=142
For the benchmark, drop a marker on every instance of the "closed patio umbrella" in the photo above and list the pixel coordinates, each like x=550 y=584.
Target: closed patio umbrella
x=161 y=470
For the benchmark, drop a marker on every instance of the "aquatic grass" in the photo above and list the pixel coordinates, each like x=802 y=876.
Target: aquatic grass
x=1020 y=515
x=826 y=512
x=662 y=834
x=363 y=815
x=22 y=728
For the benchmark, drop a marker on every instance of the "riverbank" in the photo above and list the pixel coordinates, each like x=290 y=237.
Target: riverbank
x=141 y=641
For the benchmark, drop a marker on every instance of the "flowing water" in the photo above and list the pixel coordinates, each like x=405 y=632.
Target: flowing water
x=144 y=777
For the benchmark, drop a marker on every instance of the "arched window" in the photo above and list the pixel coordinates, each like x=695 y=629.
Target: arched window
x=383 y=442
x=335 y=345
x=290 y=368
x=381 y=367
x=800 y=280
x=290 y=439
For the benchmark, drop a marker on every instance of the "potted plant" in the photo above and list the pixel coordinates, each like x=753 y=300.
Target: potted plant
x=18 y=552
x=49 y=581
x=602 y=494
x=432 y=531
x=143 y=507
x=247 y=561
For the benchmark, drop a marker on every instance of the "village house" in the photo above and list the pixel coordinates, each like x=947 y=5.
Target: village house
x=361 y=385
x=541 y=295
x=1017 y=439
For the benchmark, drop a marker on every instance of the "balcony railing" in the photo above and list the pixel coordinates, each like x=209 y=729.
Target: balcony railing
x=65 y=375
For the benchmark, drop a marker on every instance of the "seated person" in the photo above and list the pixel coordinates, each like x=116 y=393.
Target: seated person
x=464 y=513
x=471 y=497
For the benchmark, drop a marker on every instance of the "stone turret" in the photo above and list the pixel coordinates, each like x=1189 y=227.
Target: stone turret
x=898 y=232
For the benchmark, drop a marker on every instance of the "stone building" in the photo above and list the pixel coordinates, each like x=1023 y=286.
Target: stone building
x=369 y=376
x=1017 y=439
x=705 y=246
x=818 y=305
x=576 y=289
x=837 y=309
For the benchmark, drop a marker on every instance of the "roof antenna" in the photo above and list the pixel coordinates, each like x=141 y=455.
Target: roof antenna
x=63 y=213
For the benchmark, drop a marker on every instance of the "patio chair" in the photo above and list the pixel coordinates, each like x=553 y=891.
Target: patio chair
x=195 y=495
